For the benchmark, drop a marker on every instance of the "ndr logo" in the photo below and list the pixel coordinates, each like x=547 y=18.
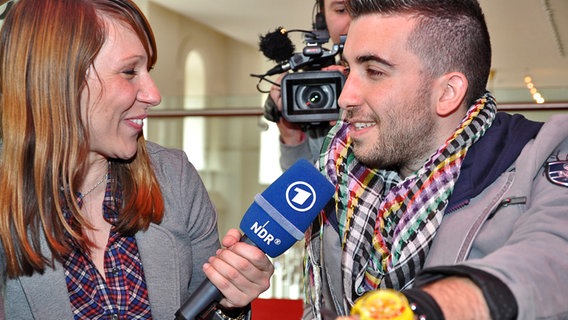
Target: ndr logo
x=300 y=196
x=262 y=233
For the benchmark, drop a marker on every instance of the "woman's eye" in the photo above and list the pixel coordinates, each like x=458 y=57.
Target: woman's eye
x=130 y=72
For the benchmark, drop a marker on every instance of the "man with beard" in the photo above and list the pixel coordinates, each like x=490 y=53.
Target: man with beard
x=438 y=195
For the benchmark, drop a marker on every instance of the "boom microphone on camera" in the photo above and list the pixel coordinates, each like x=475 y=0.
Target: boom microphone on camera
x=276 y=219
x=276 y=45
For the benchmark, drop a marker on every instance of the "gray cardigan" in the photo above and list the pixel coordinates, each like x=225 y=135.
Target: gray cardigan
x=172 y=253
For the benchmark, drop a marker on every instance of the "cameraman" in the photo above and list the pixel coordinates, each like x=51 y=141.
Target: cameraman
x=295 y=142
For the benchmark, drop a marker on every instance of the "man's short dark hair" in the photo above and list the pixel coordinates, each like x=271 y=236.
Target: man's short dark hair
x=450 y=35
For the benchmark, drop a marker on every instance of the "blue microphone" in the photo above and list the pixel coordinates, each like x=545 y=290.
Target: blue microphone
x=280 y=215
x=276 y=219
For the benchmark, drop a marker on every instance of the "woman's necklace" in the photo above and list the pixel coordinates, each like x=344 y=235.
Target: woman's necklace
x=103 y=178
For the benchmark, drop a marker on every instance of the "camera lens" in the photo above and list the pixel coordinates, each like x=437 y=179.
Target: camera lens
x=314 y=97
x=311 y=96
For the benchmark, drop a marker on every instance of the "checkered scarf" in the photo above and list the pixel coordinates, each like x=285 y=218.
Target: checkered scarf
x=386 y=224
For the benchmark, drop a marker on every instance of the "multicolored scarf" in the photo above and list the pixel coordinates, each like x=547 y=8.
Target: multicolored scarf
x=386 y=224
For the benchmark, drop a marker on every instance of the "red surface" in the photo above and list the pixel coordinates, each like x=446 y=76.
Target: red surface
x=276 y=309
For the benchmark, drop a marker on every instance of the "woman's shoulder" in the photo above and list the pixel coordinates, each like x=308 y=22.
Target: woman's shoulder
x=165 y=156
x=157 y=150
x=168 y=161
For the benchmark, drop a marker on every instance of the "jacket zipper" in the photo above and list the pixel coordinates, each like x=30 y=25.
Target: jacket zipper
x=508 y=202
x=458 y=206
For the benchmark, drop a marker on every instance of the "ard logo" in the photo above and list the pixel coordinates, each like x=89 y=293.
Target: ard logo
x=300 y=196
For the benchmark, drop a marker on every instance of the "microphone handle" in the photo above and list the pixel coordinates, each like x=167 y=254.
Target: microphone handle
x=202 y=298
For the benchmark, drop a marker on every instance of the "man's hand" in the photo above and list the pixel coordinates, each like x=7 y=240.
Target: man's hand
x=459 y=298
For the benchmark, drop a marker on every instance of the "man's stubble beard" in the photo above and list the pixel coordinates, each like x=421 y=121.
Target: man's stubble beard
x=407 y=142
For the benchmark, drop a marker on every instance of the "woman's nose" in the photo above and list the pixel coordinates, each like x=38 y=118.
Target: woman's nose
x=149 y=92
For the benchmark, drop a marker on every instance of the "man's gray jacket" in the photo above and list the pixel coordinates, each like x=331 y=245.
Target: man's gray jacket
x=516 y=229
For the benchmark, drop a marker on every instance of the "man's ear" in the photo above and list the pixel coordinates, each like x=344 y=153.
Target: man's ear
x=453 y=87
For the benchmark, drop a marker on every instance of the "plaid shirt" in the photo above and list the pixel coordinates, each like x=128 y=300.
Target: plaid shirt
x=124 y=294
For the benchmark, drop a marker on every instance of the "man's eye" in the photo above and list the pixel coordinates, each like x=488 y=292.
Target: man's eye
x=374 y=73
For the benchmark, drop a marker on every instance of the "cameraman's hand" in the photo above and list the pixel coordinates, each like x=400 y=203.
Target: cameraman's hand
x=335 y=67
x=290 y=133
x=276 y=92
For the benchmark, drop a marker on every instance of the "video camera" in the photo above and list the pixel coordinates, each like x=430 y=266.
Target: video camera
x=309 y=95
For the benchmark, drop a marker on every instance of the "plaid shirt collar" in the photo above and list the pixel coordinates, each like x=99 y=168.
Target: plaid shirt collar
x=123 y=295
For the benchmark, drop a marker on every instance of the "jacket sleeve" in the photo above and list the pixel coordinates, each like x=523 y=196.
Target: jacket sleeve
x=532 y=260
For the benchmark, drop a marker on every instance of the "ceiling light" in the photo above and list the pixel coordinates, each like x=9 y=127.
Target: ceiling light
x=537 y=97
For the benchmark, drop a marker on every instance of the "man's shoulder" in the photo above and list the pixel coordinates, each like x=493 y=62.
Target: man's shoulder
x=549 y=151
x=554 y=132
x=558 y=123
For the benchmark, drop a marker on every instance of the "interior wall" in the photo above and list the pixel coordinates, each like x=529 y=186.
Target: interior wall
x=227 y=65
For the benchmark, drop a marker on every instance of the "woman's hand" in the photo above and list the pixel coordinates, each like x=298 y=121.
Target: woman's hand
x=239 y=270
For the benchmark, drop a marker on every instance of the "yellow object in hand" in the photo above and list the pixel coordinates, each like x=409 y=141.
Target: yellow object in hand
x=384 y=304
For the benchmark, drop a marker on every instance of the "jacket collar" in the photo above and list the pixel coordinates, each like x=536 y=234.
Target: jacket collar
x=492 y=155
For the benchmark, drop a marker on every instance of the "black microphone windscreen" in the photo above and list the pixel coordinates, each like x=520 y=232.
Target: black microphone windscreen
x=276 y=45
